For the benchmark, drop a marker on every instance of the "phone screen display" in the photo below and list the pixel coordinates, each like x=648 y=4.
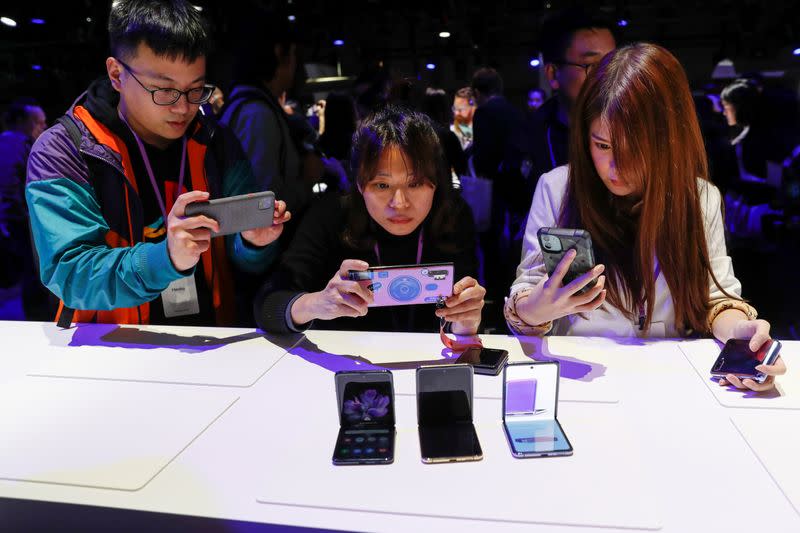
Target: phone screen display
x=540 y=437
x=366 y=414
x=444 y=406
x=530 y=410
x=737 y=358
x=367 y=405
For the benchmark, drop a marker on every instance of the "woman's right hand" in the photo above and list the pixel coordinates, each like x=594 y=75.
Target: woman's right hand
x=550 y=299
x=340 y=297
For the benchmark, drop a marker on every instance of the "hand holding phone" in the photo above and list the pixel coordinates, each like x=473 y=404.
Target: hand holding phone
x=405 y=284
x=188 y=236
x=570 y=287
x=463 y=308
x=235 y=214
x=340 y=297
x=744 y=368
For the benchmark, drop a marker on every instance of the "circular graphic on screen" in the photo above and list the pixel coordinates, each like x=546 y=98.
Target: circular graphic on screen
x=404 y=288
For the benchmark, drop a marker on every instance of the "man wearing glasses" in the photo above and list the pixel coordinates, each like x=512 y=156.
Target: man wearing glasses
x=572 y=42
x=108 y=185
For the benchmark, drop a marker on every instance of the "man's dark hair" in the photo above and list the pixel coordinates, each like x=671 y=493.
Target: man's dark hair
x=560 y=28
x=487 y=81
x=18 y=111
x=171 y=28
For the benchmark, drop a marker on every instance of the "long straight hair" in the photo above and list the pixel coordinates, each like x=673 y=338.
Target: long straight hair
x=642 y=94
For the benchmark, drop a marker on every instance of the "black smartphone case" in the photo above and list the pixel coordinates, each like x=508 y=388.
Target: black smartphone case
x=237 y=213
x=577 y=239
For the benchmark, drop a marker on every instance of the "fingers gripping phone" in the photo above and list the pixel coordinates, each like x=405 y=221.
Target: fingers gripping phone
x=365 y=401
x=555 y=242
x=237 y=213
x=444 y=414
x=530 y=410
x=738 y=359
x=406 y=284
x=487 y=361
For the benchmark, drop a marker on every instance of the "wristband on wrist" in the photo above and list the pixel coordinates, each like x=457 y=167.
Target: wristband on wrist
x=517 y=324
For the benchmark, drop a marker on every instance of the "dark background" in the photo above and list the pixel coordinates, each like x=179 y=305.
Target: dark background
x=55 y=61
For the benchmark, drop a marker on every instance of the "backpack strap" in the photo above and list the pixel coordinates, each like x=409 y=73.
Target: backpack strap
x=67 y=313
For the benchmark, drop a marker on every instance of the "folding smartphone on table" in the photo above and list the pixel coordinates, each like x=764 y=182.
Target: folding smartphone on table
x=365 y=401
x=530 y=410
x=406 y=284
x=444 y=413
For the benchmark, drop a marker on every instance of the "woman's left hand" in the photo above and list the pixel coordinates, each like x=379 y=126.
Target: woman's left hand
x=464 y=307
x=758 y=333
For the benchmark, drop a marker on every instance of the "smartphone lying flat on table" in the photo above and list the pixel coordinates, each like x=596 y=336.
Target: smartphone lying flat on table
x=365 y=401
x=487 y=361
x=530 y=410
x=237 y=213
x=444 y=414
x=555 y=242
x=738 y=359
x=406 y=284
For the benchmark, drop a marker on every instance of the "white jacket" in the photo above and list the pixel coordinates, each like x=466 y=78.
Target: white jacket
x=608 y=320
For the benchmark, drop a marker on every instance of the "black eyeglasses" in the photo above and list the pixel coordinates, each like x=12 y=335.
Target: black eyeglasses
x=198 y=95
x=587 y=67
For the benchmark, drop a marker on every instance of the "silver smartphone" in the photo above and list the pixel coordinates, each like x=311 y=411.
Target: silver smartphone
x=530 y=410
x=237 y=213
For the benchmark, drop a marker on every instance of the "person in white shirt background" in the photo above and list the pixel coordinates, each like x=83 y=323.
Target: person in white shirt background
x=638 y=182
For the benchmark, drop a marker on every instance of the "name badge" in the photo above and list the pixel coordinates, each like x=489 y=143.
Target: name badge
x=180 y=298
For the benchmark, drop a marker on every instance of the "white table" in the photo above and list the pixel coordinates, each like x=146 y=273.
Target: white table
x=693 y=461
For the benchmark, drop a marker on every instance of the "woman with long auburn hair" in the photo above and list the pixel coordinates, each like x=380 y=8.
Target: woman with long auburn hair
x=637 y=180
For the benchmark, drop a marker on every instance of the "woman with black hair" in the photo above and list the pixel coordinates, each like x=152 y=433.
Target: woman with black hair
x=402 y=210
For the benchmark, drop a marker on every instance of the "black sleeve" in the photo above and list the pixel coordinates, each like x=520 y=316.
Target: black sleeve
x=455 y=154
x=310 y=261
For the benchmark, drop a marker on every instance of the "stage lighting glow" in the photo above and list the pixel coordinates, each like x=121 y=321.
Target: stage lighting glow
x=430 y=66
x=338 y=42
x=444 y=34
x=291 y=18
x=535 y=63
x=8 y=22
x=36 y=67
x=796 y=51
x=622 y=22
x=37 y=21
